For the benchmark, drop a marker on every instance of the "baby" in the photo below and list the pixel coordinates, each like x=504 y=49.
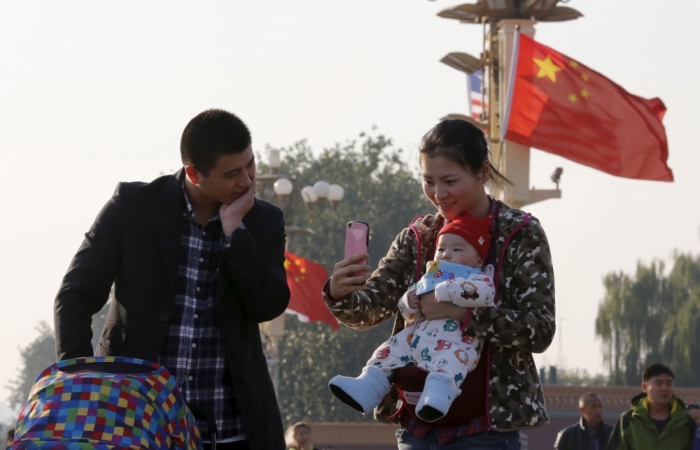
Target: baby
x=436 y=346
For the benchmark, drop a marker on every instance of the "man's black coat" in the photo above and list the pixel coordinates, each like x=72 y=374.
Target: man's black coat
x=575 y=437
x=135 y=243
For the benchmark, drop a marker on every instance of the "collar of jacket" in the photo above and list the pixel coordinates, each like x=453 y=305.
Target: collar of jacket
x=171 y=193
x=172 y=187
x=674 y=404
x=427 y=227
x=641 y=403
x=582 y=424
x=508 y=219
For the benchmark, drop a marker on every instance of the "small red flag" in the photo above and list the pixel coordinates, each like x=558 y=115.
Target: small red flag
x=560 y=106
x=306 y=279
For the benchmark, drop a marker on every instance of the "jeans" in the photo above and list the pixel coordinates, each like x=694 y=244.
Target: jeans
x=487 y=440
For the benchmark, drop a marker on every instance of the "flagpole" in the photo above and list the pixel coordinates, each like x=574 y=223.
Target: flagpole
x=511 y=80
x=503 y=18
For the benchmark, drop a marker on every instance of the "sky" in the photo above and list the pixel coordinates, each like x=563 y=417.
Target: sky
x=94 y=93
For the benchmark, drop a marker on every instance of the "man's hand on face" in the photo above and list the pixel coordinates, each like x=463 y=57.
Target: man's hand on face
x=232 y=215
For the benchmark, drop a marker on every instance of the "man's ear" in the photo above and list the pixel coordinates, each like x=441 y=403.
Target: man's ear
x=580 y=408
x=644 y=387
x=192 y=174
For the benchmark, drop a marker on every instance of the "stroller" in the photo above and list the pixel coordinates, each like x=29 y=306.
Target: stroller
x=97 y=403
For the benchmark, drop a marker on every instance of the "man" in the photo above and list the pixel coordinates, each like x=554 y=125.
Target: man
x=196 y=262
x=590 y=433
x=693 y=411
x=657 y=420
x=10 y=437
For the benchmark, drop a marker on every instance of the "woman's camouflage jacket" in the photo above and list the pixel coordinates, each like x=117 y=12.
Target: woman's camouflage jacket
x=522 y=324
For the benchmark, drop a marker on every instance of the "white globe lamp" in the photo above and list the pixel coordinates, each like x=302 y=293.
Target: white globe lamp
x=283 y=187
x=335 y=194
x=309 y=196
x=322 y=189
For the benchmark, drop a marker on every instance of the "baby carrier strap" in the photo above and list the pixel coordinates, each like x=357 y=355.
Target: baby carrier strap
x=499 y=268
x=419 y=247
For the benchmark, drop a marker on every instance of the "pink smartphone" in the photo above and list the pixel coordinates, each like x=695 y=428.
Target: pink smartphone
x=356 y=240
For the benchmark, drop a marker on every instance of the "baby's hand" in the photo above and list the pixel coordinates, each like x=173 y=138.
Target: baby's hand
x=413 y=299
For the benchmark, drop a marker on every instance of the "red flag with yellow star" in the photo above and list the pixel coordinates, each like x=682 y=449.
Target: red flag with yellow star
x=306 y=279
x=558 y=105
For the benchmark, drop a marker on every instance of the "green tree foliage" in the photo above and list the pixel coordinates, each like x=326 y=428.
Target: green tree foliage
x=652 y=317
x=580 y=377
x=41 y=353
x=682 y=341
x=36 y=356
x=379 y=189
x=310 y=355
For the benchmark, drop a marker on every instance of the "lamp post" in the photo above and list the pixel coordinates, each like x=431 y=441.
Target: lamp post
x=503 y=17
x=279 y=189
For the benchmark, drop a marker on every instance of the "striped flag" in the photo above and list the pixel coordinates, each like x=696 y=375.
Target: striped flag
x=477 y=95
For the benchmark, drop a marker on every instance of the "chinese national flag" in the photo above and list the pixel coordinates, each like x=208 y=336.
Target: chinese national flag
x=306 y=279
x=561 y=106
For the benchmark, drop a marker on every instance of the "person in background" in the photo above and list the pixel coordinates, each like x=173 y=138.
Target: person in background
x=590 y=432
x=657 y=419
x=302 y=437
x=10 y=436
x=694 y=411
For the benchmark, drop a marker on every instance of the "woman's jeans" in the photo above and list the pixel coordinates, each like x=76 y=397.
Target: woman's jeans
x=487 y=440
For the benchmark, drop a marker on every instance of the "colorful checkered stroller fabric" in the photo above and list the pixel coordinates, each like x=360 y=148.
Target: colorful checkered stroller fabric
x=100 y=403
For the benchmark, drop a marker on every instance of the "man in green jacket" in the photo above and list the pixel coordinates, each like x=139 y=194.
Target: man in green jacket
x=657 y=420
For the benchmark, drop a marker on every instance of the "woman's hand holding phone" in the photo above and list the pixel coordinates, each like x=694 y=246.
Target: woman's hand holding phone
x=350 y=274
x=345 y=278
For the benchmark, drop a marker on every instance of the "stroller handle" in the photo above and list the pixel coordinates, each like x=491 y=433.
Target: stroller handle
x=211 y=423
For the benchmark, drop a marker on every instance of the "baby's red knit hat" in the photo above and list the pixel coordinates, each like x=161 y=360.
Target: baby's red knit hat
x=477 y=231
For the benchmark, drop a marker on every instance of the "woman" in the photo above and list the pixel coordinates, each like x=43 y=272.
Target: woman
x=506 y=393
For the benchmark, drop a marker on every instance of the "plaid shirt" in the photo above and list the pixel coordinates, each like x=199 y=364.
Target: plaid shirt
x=444 y=434
x=598 y=438
x=192 y=350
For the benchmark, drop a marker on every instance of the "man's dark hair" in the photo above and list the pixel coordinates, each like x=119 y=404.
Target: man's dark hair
x=10 y=436
x=209 y=135
x=656 y=370
x=585 y=397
